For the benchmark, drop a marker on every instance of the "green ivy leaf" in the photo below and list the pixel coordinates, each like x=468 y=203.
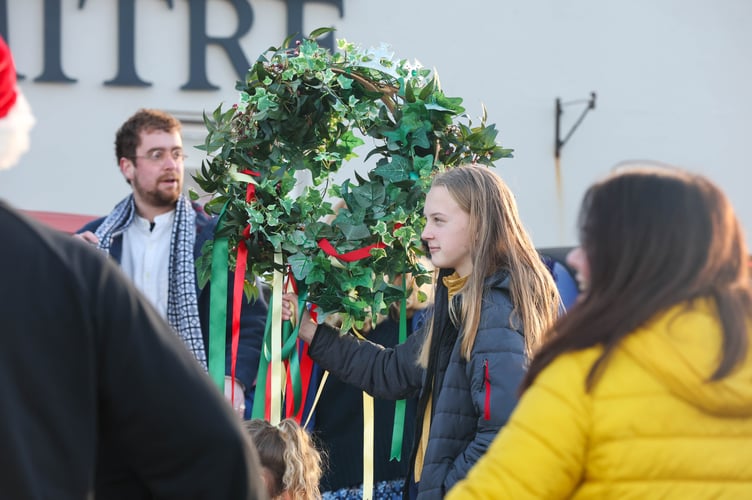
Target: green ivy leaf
x=355 y=231
x=300 y=265
x=369 y=194
x=394 y=171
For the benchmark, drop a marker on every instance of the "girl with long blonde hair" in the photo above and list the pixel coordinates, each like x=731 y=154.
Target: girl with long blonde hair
x=494 y=297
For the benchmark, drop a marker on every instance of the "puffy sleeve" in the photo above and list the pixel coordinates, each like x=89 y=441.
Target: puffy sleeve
x=386 y=373
x=541 y=451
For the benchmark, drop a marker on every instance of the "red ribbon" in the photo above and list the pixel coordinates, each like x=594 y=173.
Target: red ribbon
x=237 y=297
x=306 y=370
x=306 y=366
x=237 y=287
x=354 y=255
x=289 y=396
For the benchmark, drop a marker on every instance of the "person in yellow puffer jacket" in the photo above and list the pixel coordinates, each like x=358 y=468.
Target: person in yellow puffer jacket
x=644 y=389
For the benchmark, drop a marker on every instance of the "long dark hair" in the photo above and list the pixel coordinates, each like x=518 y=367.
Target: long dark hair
x=654 y=237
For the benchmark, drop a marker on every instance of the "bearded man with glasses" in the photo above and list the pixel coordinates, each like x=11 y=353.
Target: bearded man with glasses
x=156 y=234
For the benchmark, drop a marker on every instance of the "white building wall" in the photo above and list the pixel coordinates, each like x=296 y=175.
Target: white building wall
x=672 y=79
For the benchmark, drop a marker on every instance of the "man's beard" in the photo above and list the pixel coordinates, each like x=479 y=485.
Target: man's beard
x=157 y=197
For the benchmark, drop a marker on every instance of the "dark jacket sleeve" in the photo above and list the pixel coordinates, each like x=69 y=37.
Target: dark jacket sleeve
x=386 y=373
x=91 y=225
x=159 y=412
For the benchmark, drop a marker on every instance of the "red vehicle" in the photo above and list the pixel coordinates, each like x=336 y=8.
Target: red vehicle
x=68 y=223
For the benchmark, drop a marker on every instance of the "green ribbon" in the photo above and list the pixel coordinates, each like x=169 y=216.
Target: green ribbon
x=218 y=307
x=259 y=394
x=289 y=352
x=398 y=429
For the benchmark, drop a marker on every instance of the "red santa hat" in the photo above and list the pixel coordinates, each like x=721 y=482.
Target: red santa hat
x=16 y=119
x=8 y=91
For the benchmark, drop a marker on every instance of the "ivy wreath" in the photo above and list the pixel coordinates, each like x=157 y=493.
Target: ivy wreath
x=303 y=112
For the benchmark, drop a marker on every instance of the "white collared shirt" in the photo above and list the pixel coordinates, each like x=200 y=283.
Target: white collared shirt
x=146 y=257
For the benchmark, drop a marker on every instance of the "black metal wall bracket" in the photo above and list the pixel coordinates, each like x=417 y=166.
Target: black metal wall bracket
x=560 y=110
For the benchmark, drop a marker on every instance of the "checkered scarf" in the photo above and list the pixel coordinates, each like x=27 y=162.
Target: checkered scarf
x=182 y=303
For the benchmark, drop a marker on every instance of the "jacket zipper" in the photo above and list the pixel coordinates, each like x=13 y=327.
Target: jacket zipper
x=487 y=383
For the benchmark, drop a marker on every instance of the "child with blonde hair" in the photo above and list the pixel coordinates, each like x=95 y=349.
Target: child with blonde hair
x=291 y=463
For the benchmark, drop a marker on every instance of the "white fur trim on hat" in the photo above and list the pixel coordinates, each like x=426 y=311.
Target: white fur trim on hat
x=14 y=132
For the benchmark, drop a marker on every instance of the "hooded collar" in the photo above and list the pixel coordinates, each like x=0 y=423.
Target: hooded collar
x=681 y=347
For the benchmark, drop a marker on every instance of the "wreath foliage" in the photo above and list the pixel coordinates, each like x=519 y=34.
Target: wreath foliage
x=305 y=110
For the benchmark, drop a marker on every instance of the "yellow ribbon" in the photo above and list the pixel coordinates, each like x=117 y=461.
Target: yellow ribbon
x=368 y=438
x=277 y=368
x=316 y=399
x=367 y=447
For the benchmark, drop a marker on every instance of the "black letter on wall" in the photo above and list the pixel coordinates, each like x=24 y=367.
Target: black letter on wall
x=4 y=19
x=126 y=75
x=200 y=40
x=4 y=28
x=52 y=71
x=295 y=20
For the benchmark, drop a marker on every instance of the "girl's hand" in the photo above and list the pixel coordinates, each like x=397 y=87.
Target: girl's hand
x=289 y=312
x=289 y=304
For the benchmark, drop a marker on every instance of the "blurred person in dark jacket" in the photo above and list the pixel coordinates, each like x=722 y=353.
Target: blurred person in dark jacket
x=90 y=371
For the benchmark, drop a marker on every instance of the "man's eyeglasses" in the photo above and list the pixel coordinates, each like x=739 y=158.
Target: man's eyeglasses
x=160 y=155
